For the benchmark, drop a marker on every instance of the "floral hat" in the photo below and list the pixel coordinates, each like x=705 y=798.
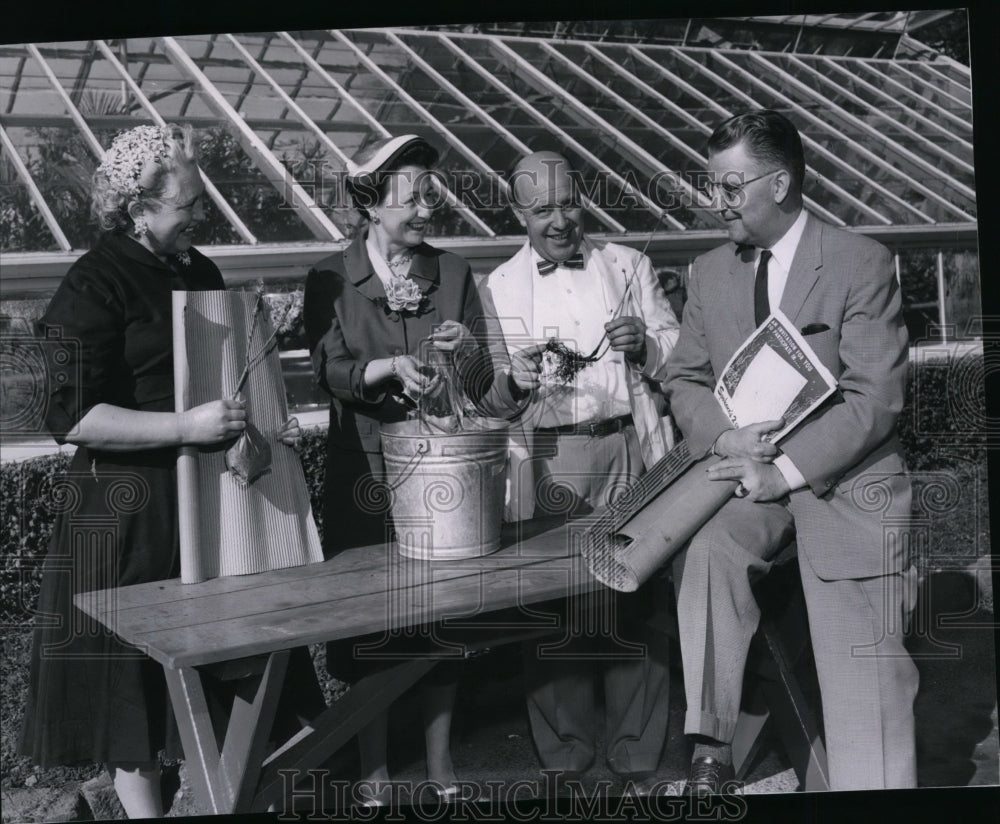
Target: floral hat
x=130 y=154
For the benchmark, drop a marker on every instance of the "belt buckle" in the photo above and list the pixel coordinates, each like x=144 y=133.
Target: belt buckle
x=593 y=428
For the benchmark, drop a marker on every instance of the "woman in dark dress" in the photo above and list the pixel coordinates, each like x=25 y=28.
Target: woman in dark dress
x=373 y=315
x=93 y=699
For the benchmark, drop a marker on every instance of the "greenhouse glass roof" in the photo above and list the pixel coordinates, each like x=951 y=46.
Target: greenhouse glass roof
x=888 y=140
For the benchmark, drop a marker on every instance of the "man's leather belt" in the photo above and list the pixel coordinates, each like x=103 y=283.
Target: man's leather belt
x=596 y=429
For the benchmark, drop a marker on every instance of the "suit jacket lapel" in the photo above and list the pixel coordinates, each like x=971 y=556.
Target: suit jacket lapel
x=361 y=271
x=511 y=288
x=425 y=270
x=805 y=270
x=611 y=275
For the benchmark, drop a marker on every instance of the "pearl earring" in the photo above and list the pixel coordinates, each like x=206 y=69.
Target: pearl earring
x=375 y=219
x=140 y=226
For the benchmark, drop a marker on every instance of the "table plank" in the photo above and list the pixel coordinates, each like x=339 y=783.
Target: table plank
x=199 y=604
x=216 y=621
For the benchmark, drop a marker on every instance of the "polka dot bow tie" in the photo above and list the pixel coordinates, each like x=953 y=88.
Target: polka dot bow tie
x=546 y=267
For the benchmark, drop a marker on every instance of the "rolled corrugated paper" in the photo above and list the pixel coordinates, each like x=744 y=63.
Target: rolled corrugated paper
x=188 y=515
x=624 y=557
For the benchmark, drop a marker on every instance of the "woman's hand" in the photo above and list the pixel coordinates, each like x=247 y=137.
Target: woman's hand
x=452 y=336
x=417 y=377
x=290 y=434
x=213 y=422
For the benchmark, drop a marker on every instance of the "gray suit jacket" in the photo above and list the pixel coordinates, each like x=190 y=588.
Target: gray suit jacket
x=848 y=450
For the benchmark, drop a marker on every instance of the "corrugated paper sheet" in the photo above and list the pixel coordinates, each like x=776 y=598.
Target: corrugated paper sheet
x=226 y=528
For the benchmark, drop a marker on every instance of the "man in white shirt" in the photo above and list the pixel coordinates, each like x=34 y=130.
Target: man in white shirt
x=837 y=482
x=580 y=441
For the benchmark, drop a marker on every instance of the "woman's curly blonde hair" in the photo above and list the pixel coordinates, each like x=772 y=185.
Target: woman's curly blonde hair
x=136 y=168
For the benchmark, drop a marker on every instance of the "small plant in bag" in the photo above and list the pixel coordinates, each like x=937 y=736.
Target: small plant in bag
x=250 y=456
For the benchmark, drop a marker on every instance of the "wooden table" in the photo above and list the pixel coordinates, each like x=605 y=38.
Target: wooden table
x=248 y=624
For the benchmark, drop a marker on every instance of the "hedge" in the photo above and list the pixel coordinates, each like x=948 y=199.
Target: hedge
x=942 y=428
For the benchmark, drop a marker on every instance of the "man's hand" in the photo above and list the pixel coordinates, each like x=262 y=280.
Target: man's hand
x=762 y=481
x=747 y=443
x=628 y=334
x=290 y=434
x=526 y=367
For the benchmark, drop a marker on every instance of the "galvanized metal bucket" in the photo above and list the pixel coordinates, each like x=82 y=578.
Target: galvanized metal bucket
x=447 y=488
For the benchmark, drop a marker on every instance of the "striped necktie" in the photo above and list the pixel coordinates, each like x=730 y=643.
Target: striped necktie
x=546 y=267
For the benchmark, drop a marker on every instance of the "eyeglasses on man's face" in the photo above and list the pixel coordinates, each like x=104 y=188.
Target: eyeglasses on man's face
x=731 y=192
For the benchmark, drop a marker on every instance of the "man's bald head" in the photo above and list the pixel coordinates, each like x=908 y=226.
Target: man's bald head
x=547 y=204
x=537 y=174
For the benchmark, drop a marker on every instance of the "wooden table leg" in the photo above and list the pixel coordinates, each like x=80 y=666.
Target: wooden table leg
x=224 y=780
x=793 y=718
x=749 y=735
x=337 y=725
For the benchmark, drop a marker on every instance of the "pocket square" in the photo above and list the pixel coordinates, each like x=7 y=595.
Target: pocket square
x=815 y=328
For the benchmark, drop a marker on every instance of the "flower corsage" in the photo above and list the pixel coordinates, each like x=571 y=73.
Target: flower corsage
x=403 y=295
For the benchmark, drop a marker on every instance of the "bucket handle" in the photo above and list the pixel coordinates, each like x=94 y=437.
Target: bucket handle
x=422 y=449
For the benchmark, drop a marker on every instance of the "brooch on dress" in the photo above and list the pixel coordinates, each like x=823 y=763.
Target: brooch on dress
x=402 y=296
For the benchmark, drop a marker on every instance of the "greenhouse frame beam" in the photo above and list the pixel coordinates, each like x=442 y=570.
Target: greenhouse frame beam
x=431 y=120
x=33 y=191
x=170 y=91
x=72 y=110
x=303 y=74
x=922 y=118
x=227 y=211
x=546 y=124
x=964 y=91
x=821 y=150
x=869 y=155
x=189 y=97
x=83 y=74
x=929 y=145
x=649 y=91
x=290 y=104
x=498 y=128
x=901 y=151
x=698 y=201
x=314 y=65
x=583 y=114
x=147 y=62
x=248 y=86
x=935 y=69
x=37 y=272
x=126 y=121
x=334 y=84
x=725 y=113
x=871 y=67
x=146 y=58
x=962 y=104
x=301 y=201
x=16 y=84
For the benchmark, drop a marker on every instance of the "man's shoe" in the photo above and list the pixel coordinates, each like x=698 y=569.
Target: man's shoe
x=645 y=784
x=707 y=775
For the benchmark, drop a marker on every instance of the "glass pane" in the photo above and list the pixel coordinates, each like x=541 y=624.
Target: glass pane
x=963 y=293
x=918 y=281
x=22 y=227
x=61 y=165
x=894 y=112
x=883 y=75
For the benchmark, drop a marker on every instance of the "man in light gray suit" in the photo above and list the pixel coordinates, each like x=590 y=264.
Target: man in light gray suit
x=837 y=481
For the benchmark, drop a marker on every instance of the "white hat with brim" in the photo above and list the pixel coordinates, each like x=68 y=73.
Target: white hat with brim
x=386 y=155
